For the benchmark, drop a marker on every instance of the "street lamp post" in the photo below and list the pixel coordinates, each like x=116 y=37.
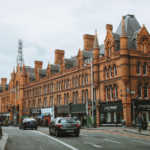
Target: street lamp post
x=91 y=63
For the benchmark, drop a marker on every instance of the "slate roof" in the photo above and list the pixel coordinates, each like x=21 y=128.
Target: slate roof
x=30 y=70
x=55 y=68
x=87 y=54
x=1 y=90
x=42 y=73
x=7 y=86
x=102 y=49
x=131 y=25
x=71 y=62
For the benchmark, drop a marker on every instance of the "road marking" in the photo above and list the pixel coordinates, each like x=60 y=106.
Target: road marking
x=84 y=135
x=97 y=146
x=93 y=144
x=41 y=148
x=142 y=142
x=112 y=141
x=59 y=141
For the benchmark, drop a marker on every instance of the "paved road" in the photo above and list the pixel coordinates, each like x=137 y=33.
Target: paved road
x=40 y=140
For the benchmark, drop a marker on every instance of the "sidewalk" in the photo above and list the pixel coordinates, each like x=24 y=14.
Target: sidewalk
x=135 y=131
x=3 y=141
x=120 y=129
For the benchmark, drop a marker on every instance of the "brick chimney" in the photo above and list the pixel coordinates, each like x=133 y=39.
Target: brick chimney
x=109 y=27
x=3 y=83
x=37 y=66
x=59 y=56
x=88 y=41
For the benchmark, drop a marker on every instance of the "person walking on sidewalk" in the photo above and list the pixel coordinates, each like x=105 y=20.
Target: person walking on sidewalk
x=140 y=122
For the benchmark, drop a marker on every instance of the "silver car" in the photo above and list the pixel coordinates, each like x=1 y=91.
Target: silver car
x=64 y=125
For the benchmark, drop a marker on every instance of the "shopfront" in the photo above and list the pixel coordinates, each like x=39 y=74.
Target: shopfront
x=35 y=112
x=74 y=110
x=140 y=106
x=46 y=115
x=4 y=117
x=62 y=111
x=111 y=112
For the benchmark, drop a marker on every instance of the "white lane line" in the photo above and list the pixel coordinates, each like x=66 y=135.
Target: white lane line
x=61 y=142
x=97 y=146
x=112 y=141
x=83 y=134
x=141 y=142
x=93 y=144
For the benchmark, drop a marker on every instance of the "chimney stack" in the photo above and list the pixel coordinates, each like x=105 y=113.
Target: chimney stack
x=109 y=27
x=3 y=83
x=59 y=56
x=88 y=41
x=37 y=66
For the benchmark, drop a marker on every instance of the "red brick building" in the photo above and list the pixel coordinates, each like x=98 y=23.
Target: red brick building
x=116 y=83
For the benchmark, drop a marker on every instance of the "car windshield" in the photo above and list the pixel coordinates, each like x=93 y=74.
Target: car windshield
x=68 y=121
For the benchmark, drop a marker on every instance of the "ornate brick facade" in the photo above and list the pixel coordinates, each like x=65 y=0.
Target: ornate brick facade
x=119 y=76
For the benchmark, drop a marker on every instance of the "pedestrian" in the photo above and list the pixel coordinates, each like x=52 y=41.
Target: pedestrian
x=140 y=122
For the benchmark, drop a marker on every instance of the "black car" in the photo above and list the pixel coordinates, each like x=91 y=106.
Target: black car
x=64 y=125
x=28 y=123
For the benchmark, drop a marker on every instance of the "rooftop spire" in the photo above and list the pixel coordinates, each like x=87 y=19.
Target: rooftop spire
x=123 y=27
x=20 y=60
x=96 y=44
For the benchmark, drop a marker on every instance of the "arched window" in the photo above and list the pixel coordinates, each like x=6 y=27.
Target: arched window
x=145 y=90
x=138 y=68
x=109 y=51
x=145 y=68
x=111 y=93
x=83 y=97
x=105 y=73
x=115 y=70
x=110 y=72
x=139 y=91
x=45 y=102
x=115 y=92
x=86 y=95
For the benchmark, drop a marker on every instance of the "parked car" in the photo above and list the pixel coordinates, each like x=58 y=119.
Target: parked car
x=28 y=123
x=64 y=125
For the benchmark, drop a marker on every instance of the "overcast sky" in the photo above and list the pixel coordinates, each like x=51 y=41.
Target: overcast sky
x=46 y=25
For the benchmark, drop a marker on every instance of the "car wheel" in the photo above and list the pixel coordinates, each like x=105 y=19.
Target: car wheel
x=56 y=133
x=50 y=132
x=77 y=134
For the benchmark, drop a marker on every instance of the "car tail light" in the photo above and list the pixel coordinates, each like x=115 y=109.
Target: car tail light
x=77 y=125
x=58 y=125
